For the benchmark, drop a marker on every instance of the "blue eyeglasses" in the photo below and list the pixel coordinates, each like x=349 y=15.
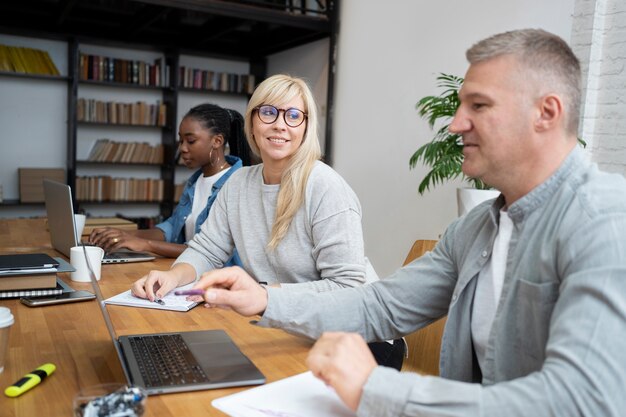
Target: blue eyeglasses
x=269 y=114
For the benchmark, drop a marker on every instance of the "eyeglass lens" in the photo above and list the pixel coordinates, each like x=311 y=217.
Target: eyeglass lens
x=269 y=114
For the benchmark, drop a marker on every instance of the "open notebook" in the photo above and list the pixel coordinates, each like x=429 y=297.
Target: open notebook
x=169 y=302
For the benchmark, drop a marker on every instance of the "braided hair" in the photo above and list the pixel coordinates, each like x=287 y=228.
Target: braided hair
x=228 y=123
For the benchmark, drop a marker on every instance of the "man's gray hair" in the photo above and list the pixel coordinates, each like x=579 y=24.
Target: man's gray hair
x=546 y=56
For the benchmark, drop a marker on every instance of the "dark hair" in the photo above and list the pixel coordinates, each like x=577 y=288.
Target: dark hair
x=228 y=123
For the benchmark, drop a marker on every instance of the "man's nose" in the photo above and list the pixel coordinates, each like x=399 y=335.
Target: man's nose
x=460 y=123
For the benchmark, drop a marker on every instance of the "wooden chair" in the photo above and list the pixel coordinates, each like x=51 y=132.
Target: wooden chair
x=425 y=344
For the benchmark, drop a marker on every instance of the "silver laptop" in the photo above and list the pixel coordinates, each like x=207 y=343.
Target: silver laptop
x=63 y=235
x=164 y=363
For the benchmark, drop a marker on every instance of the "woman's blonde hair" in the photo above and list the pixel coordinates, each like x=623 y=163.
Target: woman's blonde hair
x=276 y=90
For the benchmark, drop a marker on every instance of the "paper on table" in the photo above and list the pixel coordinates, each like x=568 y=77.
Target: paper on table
x=302 y=395
x=171 y=301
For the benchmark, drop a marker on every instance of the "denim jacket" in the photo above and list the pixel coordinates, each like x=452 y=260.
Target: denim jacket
x=174 y=227
x=557 y=345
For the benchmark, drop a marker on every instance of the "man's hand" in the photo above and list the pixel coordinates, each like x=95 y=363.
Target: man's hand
x=232 y=288
x=343 y=361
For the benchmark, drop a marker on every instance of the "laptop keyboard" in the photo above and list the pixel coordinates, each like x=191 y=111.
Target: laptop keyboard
x=115 y=255
x=166 y=360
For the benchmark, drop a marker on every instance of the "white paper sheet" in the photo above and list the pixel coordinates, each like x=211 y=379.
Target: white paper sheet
x=301 y=395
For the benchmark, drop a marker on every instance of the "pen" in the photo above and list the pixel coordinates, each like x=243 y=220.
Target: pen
x=189 y=292
x=30 y=380
x=159 y=301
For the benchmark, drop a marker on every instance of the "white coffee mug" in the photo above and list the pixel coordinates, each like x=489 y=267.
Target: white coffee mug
x=77 y=259
x=6 y=321
x=79 y=221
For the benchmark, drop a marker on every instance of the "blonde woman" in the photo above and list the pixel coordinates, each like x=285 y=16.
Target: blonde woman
x=293 y=220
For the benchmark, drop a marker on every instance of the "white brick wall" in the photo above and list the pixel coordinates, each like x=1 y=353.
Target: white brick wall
x=599 y=40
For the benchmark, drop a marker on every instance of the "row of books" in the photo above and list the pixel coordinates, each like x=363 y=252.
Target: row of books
x=26 y=60
x=106 y=69
x=30 y=275
x=113 y=112
x=106 y=188
x=106 y=150
x=216 y=81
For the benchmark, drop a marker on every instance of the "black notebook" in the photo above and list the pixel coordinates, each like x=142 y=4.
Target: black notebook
x=26 y=261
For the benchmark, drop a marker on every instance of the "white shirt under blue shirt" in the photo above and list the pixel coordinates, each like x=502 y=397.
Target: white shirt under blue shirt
x=489 y=288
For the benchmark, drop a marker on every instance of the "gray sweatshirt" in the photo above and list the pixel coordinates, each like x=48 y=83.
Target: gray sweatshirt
x=322 y=250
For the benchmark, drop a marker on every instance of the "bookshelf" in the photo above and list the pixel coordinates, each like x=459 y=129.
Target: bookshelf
x=120 y=98
x=227 y=50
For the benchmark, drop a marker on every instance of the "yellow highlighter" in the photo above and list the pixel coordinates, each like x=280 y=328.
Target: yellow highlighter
x=30 y=380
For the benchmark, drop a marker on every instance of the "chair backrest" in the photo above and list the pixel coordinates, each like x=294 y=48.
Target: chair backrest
x=425 y=344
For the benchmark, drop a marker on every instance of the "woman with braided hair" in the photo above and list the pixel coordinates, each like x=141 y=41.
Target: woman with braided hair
x=204 y=132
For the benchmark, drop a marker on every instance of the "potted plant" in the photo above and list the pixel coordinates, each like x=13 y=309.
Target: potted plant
x=444 y=153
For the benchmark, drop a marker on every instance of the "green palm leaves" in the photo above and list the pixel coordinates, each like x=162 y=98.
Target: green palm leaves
x=444 y=153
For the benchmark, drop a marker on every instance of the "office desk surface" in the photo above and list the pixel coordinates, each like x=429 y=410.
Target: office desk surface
x=74 y=337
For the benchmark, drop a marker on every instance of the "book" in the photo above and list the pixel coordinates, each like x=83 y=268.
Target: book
x=30 y=261
x=302 y=395
x=170 y=301
x=37 y=292
x=33 y=279
x=27 y=281
x=26 y=60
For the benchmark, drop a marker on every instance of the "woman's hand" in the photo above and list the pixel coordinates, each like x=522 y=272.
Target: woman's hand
x=156 y=284
x=110 y=239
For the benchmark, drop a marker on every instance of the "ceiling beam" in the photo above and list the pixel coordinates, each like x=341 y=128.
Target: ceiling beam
x=244 y=11
x=143 y=18
x=66 y=7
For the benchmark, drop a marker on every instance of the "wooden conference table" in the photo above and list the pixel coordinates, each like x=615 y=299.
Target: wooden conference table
x=74 y=337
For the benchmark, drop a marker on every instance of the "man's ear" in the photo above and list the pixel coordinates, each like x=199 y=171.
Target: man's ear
x=550 y=113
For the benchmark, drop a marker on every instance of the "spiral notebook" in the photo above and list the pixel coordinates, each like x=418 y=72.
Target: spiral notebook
x=37 y=292
x=169 y=302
